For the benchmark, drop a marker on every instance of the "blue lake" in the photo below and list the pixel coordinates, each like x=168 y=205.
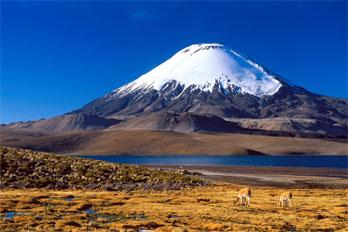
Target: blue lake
x=314 y=161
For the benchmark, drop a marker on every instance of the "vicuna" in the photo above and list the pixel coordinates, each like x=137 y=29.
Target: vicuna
x=243 y=196
x=285 y=197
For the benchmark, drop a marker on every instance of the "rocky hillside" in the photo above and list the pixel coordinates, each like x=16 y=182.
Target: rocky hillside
x=29 y=169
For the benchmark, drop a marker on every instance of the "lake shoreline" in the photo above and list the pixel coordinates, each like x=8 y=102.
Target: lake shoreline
x=251 y=155
x=314 y=161
x=256 y=176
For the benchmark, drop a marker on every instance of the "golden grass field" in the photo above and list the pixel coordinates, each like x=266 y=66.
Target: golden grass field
x=168 y=143
x=207 y=208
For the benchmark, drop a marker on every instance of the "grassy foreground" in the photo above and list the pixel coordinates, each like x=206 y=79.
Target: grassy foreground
x=46 y=192
x=198 y=209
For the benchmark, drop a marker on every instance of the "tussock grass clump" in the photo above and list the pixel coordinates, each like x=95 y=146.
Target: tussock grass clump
x=27 y=169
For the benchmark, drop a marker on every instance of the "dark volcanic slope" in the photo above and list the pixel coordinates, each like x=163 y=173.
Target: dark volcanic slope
x=183 y=122
x=65 y=123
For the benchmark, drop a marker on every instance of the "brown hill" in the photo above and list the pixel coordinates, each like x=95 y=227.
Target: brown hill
x=116 y=142
x=64 y=123
x=297 y=125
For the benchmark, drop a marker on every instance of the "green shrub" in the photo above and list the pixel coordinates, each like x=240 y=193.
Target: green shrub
x=25 y=167
x=81 y=170
x=140 y=179
x=12 y=167
x=3 y=165
x=63 y=168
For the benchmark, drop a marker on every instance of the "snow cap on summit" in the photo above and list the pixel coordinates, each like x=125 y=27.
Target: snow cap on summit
x=205 y=65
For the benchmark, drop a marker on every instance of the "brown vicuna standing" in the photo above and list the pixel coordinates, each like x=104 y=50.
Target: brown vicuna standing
x=285 y=197
x=244 y=196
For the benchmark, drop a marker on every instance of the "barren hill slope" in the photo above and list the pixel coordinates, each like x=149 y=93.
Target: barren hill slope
x=64 y=123
x=118 y=142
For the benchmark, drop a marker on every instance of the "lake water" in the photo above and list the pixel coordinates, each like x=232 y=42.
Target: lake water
x=327 y=161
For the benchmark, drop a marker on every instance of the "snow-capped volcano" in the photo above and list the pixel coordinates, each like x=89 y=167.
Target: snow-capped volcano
x=215 y=79
x=202 y=66
x=198 y=83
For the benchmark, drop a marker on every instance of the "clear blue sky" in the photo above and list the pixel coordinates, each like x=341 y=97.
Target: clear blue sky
x=58 y=56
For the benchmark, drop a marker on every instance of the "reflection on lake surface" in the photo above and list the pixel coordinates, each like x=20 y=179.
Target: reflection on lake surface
x=327 y=161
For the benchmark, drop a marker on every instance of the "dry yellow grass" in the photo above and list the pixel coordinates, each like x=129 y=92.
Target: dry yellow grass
x=199 y=209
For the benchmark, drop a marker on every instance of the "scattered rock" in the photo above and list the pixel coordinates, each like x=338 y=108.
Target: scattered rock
x=107 y=187
x=320 y=217
x=81 y=207
x=63 y=223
